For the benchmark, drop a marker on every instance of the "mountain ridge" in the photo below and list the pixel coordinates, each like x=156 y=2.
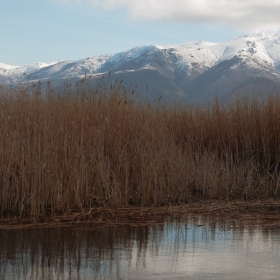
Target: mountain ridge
x=191 y=69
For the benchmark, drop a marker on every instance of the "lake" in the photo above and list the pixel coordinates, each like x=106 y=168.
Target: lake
x=197 y=248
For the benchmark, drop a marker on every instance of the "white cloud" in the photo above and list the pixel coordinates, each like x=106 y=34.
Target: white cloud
x=241 y=14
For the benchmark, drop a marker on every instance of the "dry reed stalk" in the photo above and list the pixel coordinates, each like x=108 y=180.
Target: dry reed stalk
x=59 y=155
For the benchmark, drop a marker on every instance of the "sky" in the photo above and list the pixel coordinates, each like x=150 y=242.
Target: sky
x=50 y=30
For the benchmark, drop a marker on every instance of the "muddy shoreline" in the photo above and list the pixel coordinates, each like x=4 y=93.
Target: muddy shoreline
x=262 y=212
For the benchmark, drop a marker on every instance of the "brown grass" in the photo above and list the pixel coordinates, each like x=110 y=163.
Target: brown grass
x=59 y=155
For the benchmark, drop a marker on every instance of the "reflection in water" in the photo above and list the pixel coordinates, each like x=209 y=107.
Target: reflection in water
x=197 y=249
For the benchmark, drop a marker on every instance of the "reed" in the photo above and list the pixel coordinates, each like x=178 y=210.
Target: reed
x=65 y=154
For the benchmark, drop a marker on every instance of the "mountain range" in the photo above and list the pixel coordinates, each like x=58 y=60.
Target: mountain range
x=194 y=71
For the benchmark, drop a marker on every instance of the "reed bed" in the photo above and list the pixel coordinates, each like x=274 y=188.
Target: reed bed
x=105 y=149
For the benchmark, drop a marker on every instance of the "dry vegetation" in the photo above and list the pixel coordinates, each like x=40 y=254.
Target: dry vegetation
x=65 y=154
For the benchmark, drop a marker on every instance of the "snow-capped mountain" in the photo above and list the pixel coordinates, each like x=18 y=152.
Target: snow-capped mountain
x=194 y=70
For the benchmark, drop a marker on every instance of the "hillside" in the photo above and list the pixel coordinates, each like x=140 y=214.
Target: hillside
x=195 y=71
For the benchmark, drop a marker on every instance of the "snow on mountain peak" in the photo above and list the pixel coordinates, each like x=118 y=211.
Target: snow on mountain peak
x=35 y=66
x=257 y=46
x=4 y=66
x=256 y=49
x=131 y=54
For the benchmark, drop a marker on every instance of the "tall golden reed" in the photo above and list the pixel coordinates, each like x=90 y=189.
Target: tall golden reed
x=64 y=154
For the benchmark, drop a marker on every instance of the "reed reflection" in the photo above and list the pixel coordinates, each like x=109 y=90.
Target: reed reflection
x=172 y=249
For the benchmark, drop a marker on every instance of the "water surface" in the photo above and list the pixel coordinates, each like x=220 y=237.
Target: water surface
x=196 y=249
